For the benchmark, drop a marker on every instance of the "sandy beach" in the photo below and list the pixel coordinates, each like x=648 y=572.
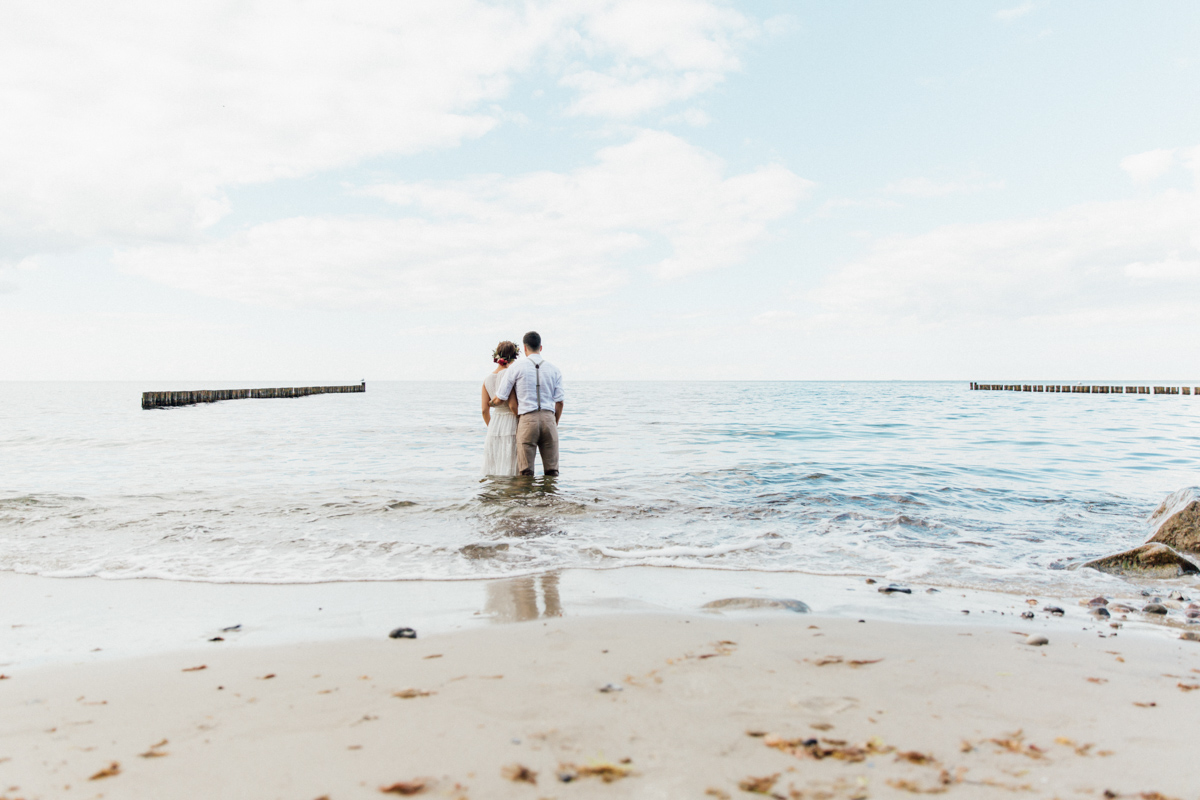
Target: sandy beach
x=615 y=704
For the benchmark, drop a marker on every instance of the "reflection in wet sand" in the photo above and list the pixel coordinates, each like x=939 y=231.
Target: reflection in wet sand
x=516 y=599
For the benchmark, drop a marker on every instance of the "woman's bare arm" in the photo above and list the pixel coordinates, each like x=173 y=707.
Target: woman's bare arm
x=487 y=407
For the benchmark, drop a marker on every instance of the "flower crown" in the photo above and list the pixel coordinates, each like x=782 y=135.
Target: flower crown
x=504 y=362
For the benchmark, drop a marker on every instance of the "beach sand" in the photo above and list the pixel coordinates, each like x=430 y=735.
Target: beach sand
x=702 y=706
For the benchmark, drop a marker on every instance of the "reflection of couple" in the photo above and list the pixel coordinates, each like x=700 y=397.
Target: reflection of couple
x=522 y=404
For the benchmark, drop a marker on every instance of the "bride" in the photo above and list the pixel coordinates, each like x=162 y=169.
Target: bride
x=500 y=446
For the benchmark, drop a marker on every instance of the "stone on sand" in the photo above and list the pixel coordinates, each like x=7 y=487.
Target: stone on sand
x=1176 y=522
x=749 y=603
x=1150 y=560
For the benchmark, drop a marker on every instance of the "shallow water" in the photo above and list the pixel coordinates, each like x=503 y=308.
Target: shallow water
x=914 y=481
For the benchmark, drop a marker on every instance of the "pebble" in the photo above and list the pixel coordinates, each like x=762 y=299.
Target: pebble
x=1178 y=595
x=1036 y=639
x=892 y=588
x=1101 y=612
x=403 y=633
x=1154 y=608
x=1095 y=602
x=1121 y=608
x=1055 y=610
x=232 y=628
x=1191 y=636
x=608 y=688
x=1027 y=615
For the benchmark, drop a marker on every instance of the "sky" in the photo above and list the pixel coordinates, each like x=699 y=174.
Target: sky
x=664 y=189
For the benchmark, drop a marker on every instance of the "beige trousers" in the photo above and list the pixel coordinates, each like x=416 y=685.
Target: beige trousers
x=536 y=431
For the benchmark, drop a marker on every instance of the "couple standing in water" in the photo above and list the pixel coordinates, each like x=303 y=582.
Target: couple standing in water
x=522 y=404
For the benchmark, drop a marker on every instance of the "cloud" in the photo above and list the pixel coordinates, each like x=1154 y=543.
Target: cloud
x=654 y=203
x=656 y=53
x=1145 y=167
x=1084 y=260
x=926 y=187
x=130 y=122
x=1008 y=14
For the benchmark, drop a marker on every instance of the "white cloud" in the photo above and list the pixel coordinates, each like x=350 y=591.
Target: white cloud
x=128 y=122
x=1145 y=167
x=656 y=203
x=927 y=187
x=658 y=53
x=1007 y=14
x=1084 y=259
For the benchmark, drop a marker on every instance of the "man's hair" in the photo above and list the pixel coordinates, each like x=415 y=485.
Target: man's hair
x=532 y=340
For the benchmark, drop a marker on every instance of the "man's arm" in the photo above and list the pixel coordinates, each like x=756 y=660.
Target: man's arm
x=557 y=411
x=505 y=387
x=559 y=397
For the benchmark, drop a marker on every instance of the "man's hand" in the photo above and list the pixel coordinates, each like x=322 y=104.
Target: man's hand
x=558 y=407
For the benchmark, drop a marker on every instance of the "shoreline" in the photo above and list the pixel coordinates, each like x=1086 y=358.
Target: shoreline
x=806 y=704
x=87 y=620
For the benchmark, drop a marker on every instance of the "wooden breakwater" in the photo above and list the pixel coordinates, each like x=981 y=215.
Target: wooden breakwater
x=165 y=399
x=1078 y=388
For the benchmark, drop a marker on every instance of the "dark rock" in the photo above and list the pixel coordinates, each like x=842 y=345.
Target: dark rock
x=232 y=628
x=748 y=603
x=1055 y=610
x=1027 y=615
x=1095 y=602
x=217 y=639
x=1036 y=640
x=895 y=588
x=1150 y=560
x=403 y=633
x=1101 y=612
x=1176 y=522
x=1154 y=608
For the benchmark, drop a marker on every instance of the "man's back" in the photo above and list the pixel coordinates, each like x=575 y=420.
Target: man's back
x=538 y=384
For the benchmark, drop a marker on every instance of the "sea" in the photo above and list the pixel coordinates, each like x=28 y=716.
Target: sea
x=906 y=481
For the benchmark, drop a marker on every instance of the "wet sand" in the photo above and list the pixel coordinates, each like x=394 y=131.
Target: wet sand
x=700 y=706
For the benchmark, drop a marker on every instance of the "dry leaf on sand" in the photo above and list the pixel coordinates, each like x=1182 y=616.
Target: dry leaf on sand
x=834 y=748
x=914 y=757
x=409 y=694
x=406 y=787
x=154 y=750
x=1187 y=687
x=519 y=773
x=604 y=770
x=758 y=785
x=196 y=669
x=112 y=769
x=863 y=662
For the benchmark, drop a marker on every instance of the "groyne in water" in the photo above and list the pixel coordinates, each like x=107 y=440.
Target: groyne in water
x=1082 y=389
x=165 y=399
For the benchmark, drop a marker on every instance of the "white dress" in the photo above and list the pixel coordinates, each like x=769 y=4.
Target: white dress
x=500 y=446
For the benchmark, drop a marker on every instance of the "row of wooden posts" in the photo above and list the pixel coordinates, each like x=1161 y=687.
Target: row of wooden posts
x=163 y=399
x=1080 y=389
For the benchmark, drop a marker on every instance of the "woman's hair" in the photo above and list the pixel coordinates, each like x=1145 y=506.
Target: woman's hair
x=505 y=353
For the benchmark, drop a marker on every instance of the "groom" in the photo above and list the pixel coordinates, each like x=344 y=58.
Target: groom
x=539 y=389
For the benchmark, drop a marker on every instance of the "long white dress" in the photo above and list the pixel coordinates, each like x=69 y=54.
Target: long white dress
x=500 y=446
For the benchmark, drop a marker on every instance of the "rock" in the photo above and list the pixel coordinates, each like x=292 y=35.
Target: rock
x=1191 y=636
x=1094 y=602
x=1176 y=522
x=1154 y=608
x=1027 y=615
x=1150 y=560
x=1101 y=612
x=403 y=633
x=1055 y=610
x=1036 y=640
x=232 y=628
x=609 y=688
x=1177 y=595
x=895 y=588
x=748 y=603
x=1121 y=608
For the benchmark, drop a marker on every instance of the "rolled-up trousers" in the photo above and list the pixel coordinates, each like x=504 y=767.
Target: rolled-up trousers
x=536 y=431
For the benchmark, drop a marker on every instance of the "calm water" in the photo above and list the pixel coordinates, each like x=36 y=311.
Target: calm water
x=917 y=481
